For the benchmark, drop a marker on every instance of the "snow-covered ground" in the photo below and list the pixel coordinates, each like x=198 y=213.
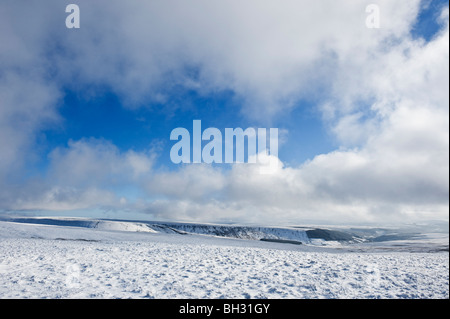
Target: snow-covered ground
x=81 y=258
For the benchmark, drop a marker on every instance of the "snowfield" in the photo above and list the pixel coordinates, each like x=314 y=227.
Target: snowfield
x=116 y=259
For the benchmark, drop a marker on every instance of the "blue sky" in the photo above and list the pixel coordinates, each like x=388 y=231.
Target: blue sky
x=87 y=113
x=105 y=117
x=426 y=26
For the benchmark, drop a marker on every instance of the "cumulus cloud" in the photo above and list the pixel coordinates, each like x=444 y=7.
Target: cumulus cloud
x=88 y=173
x=97 y=162
x=270 y=54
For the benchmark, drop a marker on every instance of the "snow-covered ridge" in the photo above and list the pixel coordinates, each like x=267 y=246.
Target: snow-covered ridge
x=231 y=231
x=243 y=232
x=86 y=223
x=312 y=235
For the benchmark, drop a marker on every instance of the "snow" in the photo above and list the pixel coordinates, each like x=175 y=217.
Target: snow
x=75 y=258
x=243 y=232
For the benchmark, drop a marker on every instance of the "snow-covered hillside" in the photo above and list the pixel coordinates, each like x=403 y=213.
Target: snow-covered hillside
x=243 y=232
x=83 y=258
x=295 y=234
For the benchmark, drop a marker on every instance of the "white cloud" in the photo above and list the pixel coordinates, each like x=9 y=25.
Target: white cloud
x=269 y=54
x=27 y=105
x=88 y=173
x=28 y=98
x=97 y=162
x=196 y=182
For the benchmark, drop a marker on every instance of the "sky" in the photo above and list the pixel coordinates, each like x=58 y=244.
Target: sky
x=362 y=112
